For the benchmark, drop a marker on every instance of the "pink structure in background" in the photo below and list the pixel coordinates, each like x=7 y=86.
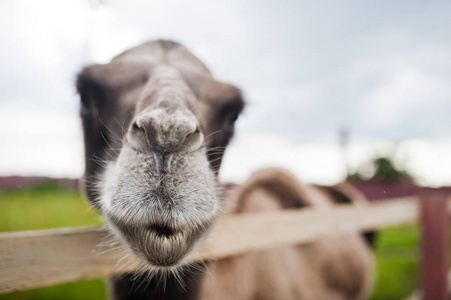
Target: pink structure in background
x=16 y=182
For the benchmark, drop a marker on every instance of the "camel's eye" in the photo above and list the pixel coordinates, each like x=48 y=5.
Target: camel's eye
x=84 y=99
x=84 y=107
x=84 y=110
x=233 y=116
x=232 y=110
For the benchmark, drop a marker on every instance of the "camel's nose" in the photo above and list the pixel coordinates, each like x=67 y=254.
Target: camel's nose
x=166 y=131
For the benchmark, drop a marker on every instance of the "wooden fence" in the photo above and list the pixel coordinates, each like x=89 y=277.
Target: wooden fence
x=42 y=258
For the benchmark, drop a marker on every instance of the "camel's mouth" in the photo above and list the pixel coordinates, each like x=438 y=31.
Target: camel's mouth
x=160 y=245
x=162 y=230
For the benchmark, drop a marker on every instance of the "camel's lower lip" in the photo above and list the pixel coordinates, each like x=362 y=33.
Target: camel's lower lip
x=159 y=245
x=165 y=247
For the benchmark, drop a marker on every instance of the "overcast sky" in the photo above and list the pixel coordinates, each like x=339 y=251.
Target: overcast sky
x=380 y=69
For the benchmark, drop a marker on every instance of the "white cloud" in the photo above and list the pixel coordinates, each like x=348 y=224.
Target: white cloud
x=427 y=160
x=46 y=28
x=310 y=162
x=40 y=140
x=302 y=96
x=404 y=91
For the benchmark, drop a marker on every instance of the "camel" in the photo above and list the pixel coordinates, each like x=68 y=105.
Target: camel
x=156 y=125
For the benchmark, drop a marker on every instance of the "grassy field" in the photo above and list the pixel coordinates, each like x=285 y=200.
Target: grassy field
x=49 y=207
x=397 y=262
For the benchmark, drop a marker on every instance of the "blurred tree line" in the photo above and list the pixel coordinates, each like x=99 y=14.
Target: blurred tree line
x=383 y=170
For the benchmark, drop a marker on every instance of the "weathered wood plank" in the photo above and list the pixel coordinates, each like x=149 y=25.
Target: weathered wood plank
x=43 y=258
x=434 y=245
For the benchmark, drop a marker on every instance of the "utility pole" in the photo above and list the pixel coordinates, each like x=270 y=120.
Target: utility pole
x=344 y=140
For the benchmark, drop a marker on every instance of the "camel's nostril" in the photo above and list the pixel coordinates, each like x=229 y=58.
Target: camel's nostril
x=162 y=230
x=136 y=127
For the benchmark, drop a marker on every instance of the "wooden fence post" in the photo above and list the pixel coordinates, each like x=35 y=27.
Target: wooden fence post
x=434 y=245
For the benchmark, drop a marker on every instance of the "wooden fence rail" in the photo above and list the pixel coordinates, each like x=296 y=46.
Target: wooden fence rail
x=42 y=258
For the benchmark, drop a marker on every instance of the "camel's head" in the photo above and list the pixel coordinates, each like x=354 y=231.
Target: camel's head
x=154 y=139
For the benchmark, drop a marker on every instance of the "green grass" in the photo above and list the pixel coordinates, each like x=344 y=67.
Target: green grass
x=94 y=289
x=43 y=208
x=397 y=257
x=49 y=207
